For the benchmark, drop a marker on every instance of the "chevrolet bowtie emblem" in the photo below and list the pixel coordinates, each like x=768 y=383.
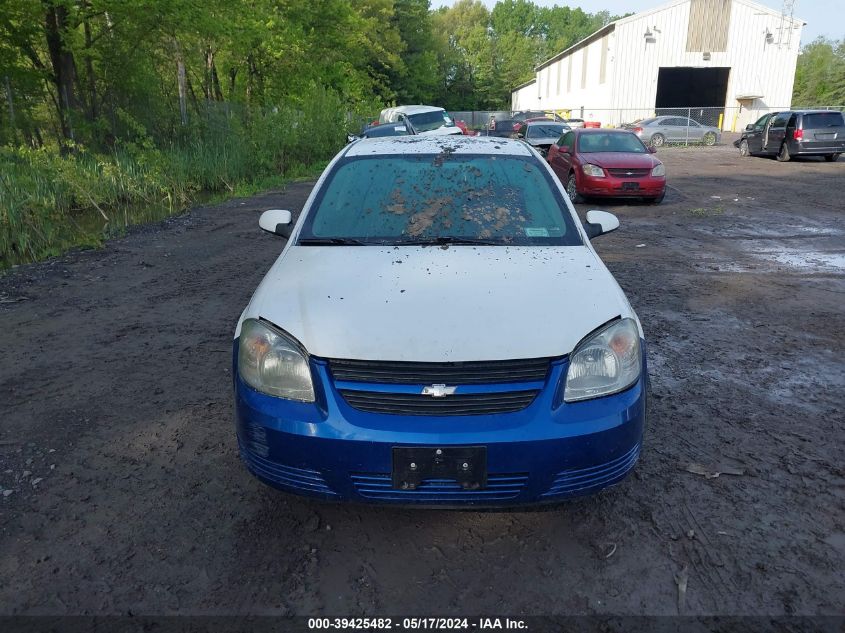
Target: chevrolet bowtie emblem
x=438 y=391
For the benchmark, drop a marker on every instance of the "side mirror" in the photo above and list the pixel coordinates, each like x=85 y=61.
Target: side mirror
x=652 y=149
x=600 y=222
x=520 y=135
x=749 y=127
x=277 y=222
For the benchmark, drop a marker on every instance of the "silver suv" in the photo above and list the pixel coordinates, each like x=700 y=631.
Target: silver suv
x=795 y=133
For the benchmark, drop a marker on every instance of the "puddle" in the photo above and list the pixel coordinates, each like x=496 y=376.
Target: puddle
x=808 y=261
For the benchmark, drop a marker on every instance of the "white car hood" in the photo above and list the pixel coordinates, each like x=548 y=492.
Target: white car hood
x=460 y=303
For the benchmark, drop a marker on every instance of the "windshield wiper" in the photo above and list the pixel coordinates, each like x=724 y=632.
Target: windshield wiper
x=330 y=241
x=423 y=241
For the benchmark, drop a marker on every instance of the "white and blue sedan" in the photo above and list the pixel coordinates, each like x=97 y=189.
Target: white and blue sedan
x=438 y=330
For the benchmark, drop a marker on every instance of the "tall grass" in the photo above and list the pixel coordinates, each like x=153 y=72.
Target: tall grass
x=50 y=202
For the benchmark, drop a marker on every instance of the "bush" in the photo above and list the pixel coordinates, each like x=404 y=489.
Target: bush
x=50 y=202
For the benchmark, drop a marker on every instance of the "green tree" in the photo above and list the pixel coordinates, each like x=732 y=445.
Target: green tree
x=820 y=74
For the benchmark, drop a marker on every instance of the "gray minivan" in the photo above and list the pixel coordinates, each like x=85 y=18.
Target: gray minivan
x=795 y=133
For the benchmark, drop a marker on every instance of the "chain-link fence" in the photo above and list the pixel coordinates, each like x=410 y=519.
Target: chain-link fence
x=658 y=126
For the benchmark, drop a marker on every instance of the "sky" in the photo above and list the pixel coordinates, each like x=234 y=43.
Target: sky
x=823 y=17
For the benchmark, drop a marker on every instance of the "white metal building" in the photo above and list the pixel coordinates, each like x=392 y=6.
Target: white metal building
x=732 y=55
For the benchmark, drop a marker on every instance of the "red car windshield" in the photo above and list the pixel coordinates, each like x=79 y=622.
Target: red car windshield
x=597 y=142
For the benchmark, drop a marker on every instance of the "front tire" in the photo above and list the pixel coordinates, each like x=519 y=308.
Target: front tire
x=832 y=158
x=783 y=154
x=658 y=199
x=743 y=148
x=709 y=139
x=657 y=140
x=572 y=190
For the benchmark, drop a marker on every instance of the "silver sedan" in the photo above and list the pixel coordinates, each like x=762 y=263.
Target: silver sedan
x=660 y=130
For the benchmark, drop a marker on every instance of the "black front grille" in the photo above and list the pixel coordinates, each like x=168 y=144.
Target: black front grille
x=628 y=173
x=468 y=373
x=456 y=404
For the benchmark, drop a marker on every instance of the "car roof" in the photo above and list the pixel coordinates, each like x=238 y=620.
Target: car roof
x=607 y=130
x=390 y=145
x=415 y=109
x=384 y=127
x=380 y=126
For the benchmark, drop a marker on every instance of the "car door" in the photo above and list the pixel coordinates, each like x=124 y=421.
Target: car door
x=775 y=133
x=561 y=158
x=754 y=136
x=671 y=127
x=693 y=131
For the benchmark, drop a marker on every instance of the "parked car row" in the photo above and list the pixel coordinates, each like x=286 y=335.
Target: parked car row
x=590 y=162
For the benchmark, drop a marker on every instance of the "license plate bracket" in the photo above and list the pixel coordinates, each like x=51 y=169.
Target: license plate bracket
x=630 y=186
x=414 y=464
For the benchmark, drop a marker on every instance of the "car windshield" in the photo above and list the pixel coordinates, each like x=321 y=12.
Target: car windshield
x=545 y=130
x=823 y=119
x=440 y=199
x=427 y=121
x=610 y=142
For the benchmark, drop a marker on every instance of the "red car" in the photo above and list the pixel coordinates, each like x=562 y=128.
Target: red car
x=607 y=163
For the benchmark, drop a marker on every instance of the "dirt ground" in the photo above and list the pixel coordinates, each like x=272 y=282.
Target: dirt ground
x=122 y=490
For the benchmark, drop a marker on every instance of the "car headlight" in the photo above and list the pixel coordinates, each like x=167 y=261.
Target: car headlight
x=607 y=362
x=593 y=170
x=270 y=362
x=659 y=170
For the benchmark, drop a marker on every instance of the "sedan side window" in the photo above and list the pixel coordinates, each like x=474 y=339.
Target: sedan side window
x=566 y=140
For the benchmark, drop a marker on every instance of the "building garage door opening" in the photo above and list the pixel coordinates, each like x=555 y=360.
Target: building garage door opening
x=692 y=87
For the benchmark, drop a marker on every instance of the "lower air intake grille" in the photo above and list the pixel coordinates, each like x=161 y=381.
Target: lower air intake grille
x=417 y=404
x=499 y=488
x=581 y=480
x=468 y=373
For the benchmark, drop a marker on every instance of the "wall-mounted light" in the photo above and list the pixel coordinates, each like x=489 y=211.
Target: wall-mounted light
x=769 y=36
x=649 y=36
x=706 y=56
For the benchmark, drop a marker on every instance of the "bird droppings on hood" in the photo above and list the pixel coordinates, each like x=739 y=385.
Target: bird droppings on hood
x=446 y=151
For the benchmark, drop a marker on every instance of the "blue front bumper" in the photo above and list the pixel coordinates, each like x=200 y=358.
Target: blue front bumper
x=546 y=452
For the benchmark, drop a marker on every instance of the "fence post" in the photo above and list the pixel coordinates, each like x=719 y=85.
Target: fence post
x=689 y=114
